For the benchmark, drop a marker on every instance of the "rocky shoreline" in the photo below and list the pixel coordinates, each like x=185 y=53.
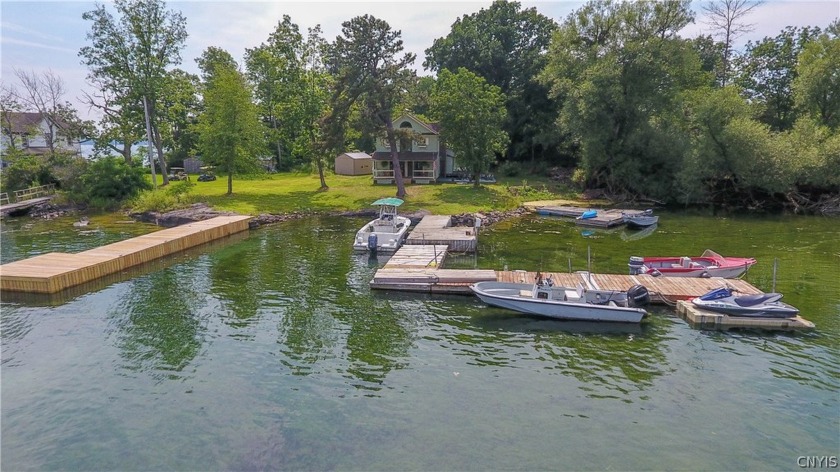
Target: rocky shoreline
x=202 y=211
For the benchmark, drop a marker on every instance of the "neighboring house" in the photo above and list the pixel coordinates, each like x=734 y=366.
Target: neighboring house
x=423 y=157
x=354 y=163
x=30 y=132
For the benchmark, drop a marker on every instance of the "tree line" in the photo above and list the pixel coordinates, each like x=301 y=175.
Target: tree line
x=611 y=91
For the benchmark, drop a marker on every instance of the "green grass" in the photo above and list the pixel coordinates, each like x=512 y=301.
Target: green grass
x=298 y=192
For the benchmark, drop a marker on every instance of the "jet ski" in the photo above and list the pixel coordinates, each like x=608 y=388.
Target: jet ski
x=763 y=305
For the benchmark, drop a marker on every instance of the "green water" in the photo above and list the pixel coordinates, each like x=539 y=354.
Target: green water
x=272 y=353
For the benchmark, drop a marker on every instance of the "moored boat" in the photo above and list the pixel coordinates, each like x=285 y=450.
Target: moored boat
x=709 y=264
x=764 y=305
x=640 y=219
x=385 y=233
x=543 y=298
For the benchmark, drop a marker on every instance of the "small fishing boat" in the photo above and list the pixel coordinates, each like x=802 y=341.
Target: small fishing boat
x=543 y=298
x=640 y=219
x=709 y=264
x=764 y=305
x=387 y=232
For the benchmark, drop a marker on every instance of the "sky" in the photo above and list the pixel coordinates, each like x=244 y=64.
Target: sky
x=38 y=36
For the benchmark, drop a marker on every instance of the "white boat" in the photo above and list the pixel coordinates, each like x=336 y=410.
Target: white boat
x=765 y=305
x=387 y=232
x=640 y=219
x=543 y=298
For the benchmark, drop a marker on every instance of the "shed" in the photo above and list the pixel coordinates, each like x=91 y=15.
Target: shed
x=354 y=163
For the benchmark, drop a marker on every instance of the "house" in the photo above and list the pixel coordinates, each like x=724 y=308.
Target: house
x=423 y=157
x=354 y=163
x=31 y=132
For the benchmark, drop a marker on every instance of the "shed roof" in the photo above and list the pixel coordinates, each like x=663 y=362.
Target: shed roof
x=357 y=155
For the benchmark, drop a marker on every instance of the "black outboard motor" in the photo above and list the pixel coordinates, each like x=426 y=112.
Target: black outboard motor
x=638 y=296
x=636 y=264
x=373 y=241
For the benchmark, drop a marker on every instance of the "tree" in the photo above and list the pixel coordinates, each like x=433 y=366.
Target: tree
x=767 y=70
x=44 y=94
x=619 y=70
x=728 y=17
x=471 y=113
x=816 y=89
x=121 y=124
x=367 y=68
x=130 y=57
x=276 y=70
x=179 y=109
x=229 y=130
x=506 y=45
x=313 y=101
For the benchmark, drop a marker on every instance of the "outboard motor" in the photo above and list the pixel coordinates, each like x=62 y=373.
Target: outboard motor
x=373 y=241
x=636 y=265
x=638 y=296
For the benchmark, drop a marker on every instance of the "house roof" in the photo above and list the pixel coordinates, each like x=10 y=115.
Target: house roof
x=357 y=155
x=406 y=156
x=23 y=122
x=433 y=128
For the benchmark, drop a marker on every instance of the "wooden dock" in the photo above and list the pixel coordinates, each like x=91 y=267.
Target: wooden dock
x=54 y=272
x=603 y=218
x=708 y=319
x=438 y=230
x=418 y=269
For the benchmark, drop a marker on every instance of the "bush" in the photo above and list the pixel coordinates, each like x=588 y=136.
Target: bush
x=509 y=169
x=109 y=181
x=175 y=196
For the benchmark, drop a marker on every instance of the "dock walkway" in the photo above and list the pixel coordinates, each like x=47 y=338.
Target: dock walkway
x=55 y=271
x=438 y=230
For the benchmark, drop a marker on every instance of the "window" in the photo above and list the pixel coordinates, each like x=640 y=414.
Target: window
x=385 y=143
x=422 y=142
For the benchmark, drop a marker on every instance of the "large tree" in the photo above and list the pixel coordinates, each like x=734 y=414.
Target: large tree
x=369 y=69
x=506 y=45
x=767 y=70
x=618 y=69
x=276 y=70
x=130 y=57
x=471 y=113
x=817 y=86
x=229 y=134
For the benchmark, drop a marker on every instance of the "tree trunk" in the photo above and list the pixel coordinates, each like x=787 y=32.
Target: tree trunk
x=159 y=148
x=230 y=183
x=319 y=161
x=395 y=157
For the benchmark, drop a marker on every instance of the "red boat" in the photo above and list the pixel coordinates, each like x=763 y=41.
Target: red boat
x=709 y=264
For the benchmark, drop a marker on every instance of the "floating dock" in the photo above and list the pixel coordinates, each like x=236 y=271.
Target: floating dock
x=603 y=218
x=438 y=230
x=708 y=319
x=54 y=272
x=418 y=269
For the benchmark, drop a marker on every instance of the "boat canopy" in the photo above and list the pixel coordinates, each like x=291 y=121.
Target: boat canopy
x=392 y=201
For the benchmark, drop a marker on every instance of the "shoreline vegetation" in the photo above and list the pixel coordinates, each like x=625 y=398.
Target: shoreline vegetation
x=274 y=198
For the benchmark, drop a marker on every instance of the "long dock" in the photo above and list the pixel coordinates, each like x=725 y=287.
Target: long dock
x=418 y=269
x=55 y=271
x=438 y=230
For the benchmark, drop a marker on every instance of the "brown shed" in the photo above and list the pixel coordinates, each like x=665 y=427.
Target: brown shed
x=354 y=163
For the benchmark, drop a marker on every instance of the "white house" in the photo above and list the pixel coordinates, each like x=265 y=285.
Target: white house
x=31 y=132
x=423 y=156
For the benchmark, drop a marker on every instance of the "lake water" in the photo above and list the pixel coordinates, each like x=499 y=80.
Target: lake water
x=271 y=352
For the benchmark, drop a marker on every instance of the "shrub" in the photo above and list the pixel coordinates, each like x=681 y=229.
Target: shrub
x=510 y=169
x=176 y=195
x=109 y=181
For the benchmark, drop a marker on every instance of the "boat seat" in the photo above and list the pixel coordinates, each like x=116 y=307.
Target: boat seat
x=752 y=300
x=571 y=295
x=526 y=293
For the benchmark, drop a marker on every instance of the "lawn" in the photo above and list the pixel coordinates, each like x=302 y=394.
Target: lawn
x=290 y=192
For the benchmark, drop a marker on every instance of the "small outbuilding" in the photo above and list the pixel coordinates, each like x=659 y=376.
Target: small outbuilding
x=354 y=163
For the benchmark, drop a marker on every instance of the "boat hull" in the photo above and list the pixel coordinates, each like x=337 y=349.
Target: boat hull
x=508 y=295
x=641 y=221
x=709 y=264
x=389 y=237
x=771 y=310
